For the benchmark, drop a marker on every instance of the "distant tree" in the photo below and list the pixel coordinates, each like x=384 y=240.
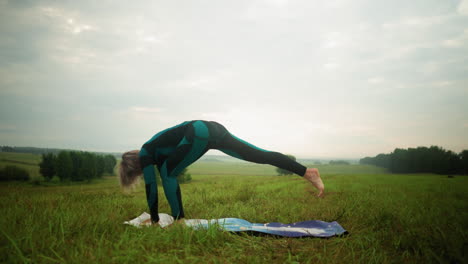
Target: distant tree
x=47 y=165
x=420 y=160
x=100 y=165
x=80 y=166
x=282 y=172
x=64 y=165
x=439 y=160
x=88 y=166
x=464 y=161
x=317 y=163
x=454 y=164
x=383 y=160
x=367 y=161
x=77 y=160
x=7 y=149
x=110 y=162
x=338 y=162
x=399 y=161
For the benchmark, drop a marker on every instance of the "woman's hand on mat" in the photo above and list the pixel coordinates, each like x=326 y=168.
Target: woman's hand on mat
x=151 y=223
x=147 y=222
x=175 y=223
x=313 y=176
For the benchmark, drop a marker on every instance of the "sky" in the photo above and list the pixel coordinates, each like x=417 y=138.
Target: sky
x=315 y=79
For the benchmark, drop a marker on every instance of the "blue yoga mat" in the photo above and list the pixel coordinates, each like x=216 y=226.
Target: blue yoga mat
x=314 y=228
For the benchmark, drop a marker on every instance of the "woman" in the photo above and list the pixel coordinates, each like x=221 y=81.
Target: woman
x=174 y=149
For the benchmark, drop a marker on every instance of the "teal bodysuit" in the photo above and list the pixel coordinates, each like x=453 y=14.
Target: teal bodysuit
x=174 y=149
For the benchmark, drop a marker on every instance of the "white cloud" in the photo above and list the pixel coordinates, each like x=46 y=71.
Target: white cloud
x=313 y=65
x=376 y=80
x=151 y=38
x=210 y=81
x=146 y=109
x=459 y=41
x=415 y=22
x=279 y=3
x=334 y=40
x=442 y=83
x=463 y=7
x=65 y=20
x=271 y=11
x=452 y=43
x=331 y=66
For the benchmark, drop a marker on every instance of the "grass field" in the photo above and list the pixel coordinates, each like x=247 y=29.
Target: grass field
x=30 y=162
x=390 y=219
x=246 y=168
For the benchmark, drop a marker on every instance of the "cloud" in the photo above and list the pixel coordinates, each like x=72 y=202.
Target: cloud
x=414 y=22
x=463 y=7
x=442 y=83
x=262 y=10
x=458 y=41
x=375 y=80
x=147 y=109
x=331 y=66
x=312 y=66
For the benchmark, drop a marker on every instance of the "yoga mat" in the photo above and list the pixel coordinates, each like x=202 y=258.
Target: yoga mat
x=311 y=228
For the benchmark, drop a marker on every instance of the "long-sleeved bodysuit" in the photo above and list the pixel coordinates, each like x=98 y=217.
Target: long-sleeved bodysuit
x=174 y=149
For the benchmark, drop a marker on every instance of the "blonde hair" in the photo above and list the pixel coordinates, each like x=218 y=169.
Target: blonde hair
x=130 y=168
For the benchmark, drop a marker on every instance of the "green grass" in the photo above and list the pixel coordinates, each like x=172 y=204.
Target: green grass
x=390 y=219
x=29 y=162
x=24 y=158
x=246 y=168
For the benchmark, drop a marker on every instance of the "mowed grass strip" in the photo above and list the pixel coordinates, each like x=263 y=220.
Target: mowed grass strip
x=20 y=157
x=29 y=162
x=390 y=219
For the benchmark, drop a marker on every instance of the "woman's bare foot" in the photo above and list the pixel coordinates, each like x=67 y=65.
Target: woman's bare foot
x=313 y=175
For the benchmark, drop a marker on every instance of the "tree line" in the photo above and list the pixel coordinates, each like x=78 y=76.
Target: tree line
x=76 y=165
x=35 y=150
x=338 y=162
x=432 y=159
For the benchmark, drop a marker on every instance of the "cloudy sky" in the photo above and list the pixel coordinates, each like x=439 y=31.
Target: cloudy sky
x=335 y=78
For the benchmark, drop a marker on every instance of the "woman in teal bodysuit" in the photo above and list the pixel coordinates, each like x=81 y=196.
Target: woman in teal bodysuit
x=174 y=149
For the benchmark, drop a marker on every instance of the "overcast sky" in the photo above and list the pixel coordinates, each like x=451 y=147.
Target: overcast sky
x=344 y=78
